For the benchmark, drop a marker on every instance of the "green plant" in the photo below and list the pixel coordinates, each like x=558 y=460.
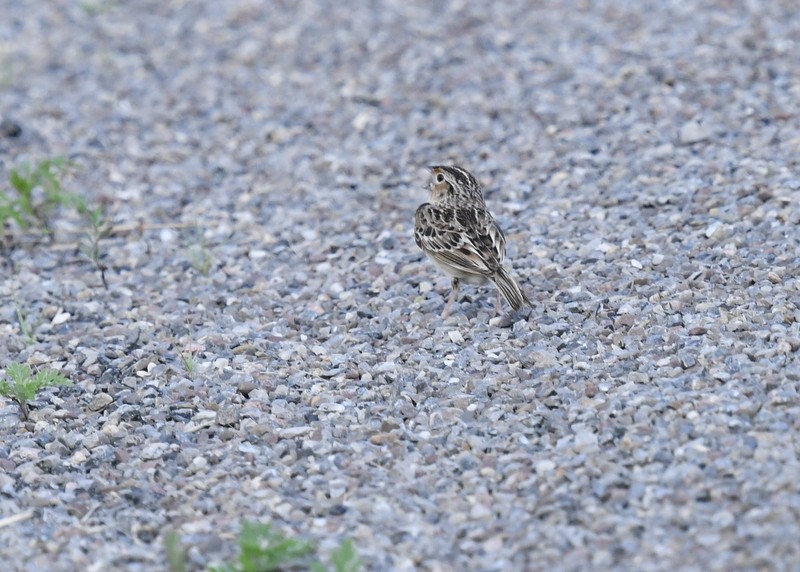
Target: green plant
x=24 y=327
x=6 y=74
x=98 y=230
x=344 y=559
x=189 y=363
x=176 y=554
x=264 y=549
x=23 y=385
x=200 y=257
x=23 y=206
x=98 y=7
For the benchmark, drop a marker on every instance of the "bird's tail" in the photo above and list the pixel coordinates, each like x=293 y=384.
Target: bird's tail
x=510 y=290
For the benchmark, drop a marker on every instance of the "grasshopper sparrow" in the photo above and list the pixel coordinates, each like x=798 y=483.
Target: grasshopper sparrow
x=457 y=232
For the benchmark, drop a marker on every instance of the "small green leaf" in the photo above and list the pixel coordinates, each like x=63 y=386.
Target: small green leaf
x=224 y=568
x=345 y=558
x=19 y=372
x=47 y=378
x=176 y=555
x=22 y=185
x=25 y=385
x=7 y=211
x=264 y=549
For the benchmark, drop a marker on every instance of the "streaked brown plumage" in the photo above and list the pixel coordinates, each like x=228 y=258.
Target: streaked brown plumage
x=457 y=232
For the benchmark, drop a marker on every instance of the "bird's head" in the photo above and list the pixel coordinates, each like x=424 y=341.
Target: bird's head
x=453 y=185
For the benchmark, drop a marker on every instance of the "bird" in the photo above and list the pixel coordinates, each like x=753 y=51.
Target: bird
x=458 y=233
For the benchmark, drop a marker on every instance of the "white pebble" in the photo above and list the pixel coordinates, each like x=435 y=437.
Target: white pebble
x=456 y=337
x=544 y=466
x=257 y=254
x=61 y=317
x=585 y=441
x=167 y=235
x=153 y=451
x=694 y=132
x=712 y=228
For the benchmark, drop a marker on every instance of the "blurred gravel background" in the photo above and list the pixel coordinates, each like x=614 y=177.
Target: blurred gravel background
x=266 y=159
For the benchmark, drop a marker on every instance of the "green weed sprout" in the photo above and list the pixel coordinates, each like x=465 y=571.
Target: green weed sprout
x=98 y=230
x=23 y=385
x=22 y=207
x=264 y=549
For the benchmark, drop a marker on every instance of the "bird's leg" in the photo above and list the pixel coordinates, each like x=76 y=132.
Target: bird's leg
x=498 y=304
x=450 y=300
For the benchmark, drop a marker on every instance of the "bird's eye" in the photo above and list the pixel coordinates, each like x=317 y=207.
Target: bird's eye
x=439 y=178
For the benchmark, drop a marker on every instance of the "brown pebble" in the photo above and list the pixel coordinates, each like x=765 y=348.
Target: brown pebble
x=382 y=438
x=100 y=401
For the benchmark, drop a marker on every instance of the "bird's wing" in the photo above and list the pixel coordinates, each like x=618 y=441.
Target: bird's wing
x=495 y=236
x=465 y=238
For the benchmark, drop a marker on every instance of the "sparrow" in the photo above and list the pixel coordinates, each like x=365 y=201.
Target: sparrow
x=459 y=234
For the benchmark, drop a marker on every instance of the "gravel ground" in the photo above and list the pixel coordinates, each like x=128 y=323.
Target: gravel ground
x=262 y=162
